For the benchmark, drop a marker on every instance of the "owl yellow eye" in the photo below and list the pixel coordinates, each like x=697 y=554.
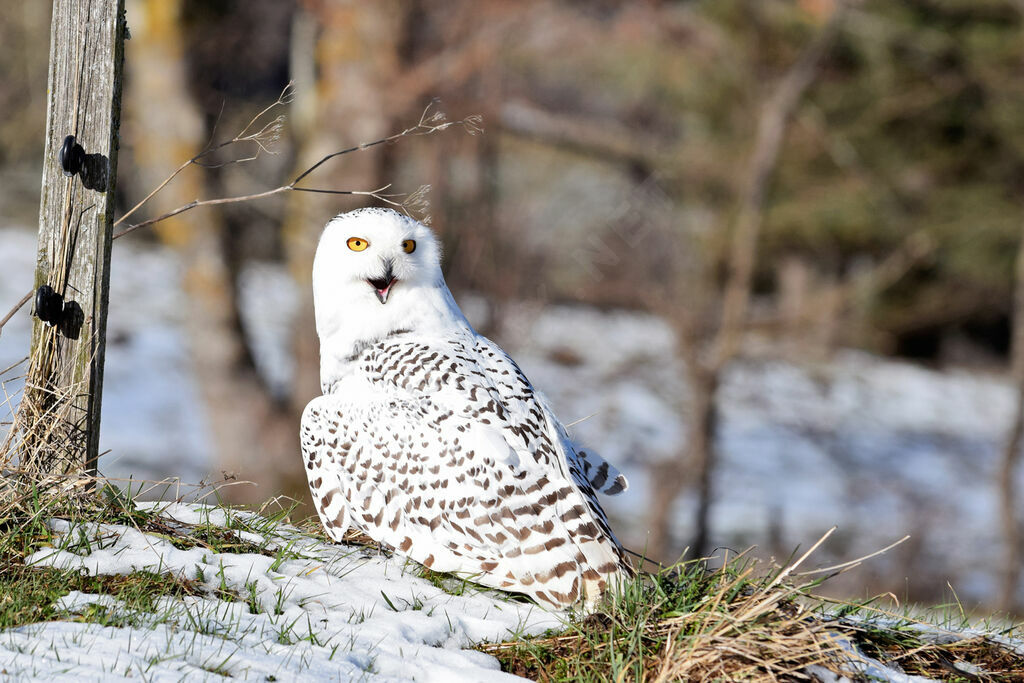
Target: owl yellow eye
x=409 y=246
x=357 y=243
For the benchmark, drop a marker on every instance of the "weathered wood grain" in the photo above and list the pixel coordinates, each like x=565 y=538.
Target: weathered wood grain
x=65 y=380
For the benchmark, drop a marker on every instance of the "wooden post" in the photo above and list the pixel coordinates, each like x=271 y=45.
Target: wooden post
x=60 y=414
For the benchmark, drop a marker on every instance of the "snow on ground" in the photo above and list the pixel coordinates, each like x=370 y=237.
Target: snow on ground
x=331 y=612
x=305 y=610
x=879 y=448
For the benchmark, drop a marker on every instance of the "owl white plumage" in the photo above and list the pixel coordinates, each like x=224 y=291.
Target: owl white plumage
x=428 y=437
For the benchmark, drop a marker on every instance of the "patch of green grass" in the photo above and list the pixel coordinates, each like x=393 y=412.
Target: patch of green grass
x=449 y=583
x=453 y=584
x=29 y=595
x=215 y=539
x=252 y=597
x=27 y=508
x=219 y=669
x=687 y=608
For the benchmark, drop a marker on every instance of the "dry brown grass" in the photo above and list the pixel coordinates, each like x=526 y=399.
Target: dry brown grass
x=46 y=436
x=690 y=623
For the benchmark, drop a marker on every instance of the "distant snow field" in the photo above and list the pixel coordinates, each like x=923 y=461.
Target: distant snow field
x=879 y=448
x=152 y=422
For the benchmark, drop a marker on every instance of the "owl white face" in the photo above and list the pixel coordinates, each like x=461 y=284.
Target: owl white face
x=376 y=271
x=374 y=254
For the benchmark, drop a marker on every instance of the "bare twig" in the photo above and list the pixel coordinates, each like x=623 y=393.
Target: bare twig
x=266 y=135
x=429 y=123
x=15 y=309
x=263 y=135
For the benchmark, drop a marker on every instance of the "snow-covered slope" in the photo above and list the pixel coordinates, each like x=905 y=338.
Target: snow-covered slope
x=326 y=612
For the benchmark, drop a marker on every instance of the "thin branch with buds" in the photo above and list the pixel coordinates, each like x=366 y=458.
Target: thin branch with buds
x=263 y=134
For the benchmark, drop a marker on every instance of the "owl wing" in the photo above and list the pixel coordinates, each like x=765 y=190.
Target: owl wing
x=586 y=466
x=494 y=393
x=451 y=460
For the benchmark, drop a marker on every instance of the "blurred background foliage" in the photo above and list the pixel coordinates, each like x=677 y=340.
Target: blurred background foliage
x=913 y=124
x=618 y=136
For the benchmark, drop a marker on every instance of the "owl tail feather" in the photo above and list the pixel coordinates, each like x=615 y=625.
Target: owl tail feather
x=603 y=477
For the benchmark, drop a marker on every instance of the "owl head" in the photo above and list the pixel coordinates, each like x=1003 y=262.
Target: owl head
x=376 y=272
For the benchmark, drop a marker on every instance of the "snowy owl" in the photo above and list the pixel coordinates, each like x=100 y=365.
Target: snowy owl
x=429 y=439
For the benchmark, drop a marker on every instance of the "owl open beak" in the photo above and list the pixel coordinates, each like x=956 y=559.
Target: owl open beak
x=382 y=285
x=382 y=288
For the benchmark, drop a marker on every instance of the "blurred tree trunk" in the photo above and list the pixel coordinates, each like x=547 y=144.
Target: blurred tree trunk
x=1008 y=499
x=694 y=468
x=1008 y=502
x=705 y=364
x=344 y=56
x=251 y=436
